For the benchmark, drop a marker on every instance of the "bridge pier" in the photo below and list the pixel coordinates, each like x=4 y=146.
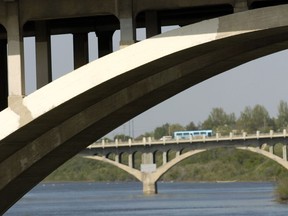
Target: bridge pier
x=240 y=5
x=148 y=167
x=165 y=157
x=131 y=160
x=149 y=185
x=105 y=42
x=284 y=150
x=152 y=23
x=80 y=47
x=43 y=54
x=127 y=23
x=16 y=81
x=3 y=75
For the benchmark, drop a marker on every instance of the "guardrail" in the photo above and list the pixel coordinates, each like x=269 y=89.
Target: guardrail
x=216 y=138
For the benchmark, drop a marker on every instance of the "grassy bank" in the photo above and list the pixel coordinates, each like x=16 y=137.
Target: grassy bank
x=282 y=190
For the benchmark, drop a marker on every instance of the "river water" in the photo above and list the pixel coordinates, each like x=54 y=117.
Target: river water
x=177 y=199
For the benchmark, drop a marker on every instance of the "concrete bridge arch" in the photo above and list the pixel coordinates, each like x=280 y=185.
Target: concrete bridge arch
x=56 y=122
x=150 y=178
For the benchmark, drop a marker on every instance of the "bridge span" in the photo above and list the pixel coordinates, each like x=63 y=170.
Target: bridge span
x=42 y=130
x=151 y=169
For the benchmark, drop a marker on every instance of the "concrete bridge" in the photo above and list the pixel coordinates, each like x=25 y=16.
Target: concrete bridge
x=159 y=156
x=41 y=131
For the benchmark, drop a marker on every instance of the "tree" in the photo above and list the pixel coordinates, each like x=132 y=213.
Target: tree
x=166 y=130
x=261 y=119
x=191 y=126
x=175 y=127
x=245 y=121
x=122 y=137
x=161 y=131
x=258 y=118
x=219 y=121
x=282 y=118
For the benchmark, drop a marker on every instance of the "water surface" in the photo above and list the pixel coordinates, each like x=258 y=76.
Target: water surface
x=183 y=199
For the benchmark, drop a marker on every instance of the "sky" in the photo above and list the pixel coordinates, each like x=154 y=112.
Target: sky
x=263 y=81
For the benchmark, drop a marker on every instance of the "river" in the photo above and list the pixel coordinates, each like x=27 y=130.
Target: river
x=175 y=199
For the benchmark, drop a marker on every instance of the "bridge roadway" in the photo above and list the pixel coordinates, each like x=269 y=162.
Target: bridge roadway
x=123 y=154
x=42 y=130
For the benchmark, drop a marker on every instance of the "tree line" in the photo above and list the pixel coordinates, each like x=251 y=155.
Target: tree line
x=250 y=120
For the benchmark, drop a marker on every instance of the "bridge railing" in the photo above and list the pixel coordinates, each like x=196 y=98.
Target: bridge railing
x=217 y=137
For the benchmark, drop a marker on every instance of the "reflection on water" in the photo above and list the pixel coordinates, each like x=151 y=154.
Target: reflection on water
x=183 y=199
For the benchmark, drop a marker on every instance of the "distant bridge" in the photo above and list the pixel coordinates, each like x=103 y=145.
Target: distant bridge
x=123 y=154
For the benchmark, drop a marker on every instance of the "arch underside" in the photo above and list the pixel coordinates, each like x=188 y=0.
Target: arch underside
x=62 y=129
x=155 y=176
x=165 y=168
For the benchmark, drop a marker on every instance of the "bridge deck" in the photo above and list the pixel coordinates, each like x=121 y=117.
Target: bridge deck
x=217 y=138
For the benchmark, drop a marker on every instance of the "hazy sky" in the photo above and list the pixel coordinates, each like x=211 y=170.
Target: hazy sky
x=263 y=81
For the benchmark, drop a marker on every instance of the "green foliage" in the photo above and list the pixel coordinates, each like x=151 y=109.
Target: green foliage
x=253 y=119
x=161 y=131
x=219 y=121
x=282 y=190
x=166 y=130
x=214 y=165
x=191 y=126
x=122 y=137
x=82 y=169
x=282 y=119
x=226 y=165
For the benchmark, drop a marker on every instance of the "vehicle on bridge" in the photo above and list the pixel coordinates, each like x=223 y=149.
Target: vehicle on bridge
x=191 y=134
x=166 y=138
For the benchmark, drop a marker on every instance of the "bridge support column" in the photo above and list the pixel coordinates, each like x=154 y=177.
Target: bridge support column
x=117 y=158
x=3 y=75
x=16 y=82
x=147 y=168
x=284 y=150
x=105 y=42
x=127 y=23
x=43 y=54
x=149 y=185
x=152 y=24
x=147 y=158
x=80 y=48
x=271 y=149
x=165 y=157
x=240 y=5
x=131 y=160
